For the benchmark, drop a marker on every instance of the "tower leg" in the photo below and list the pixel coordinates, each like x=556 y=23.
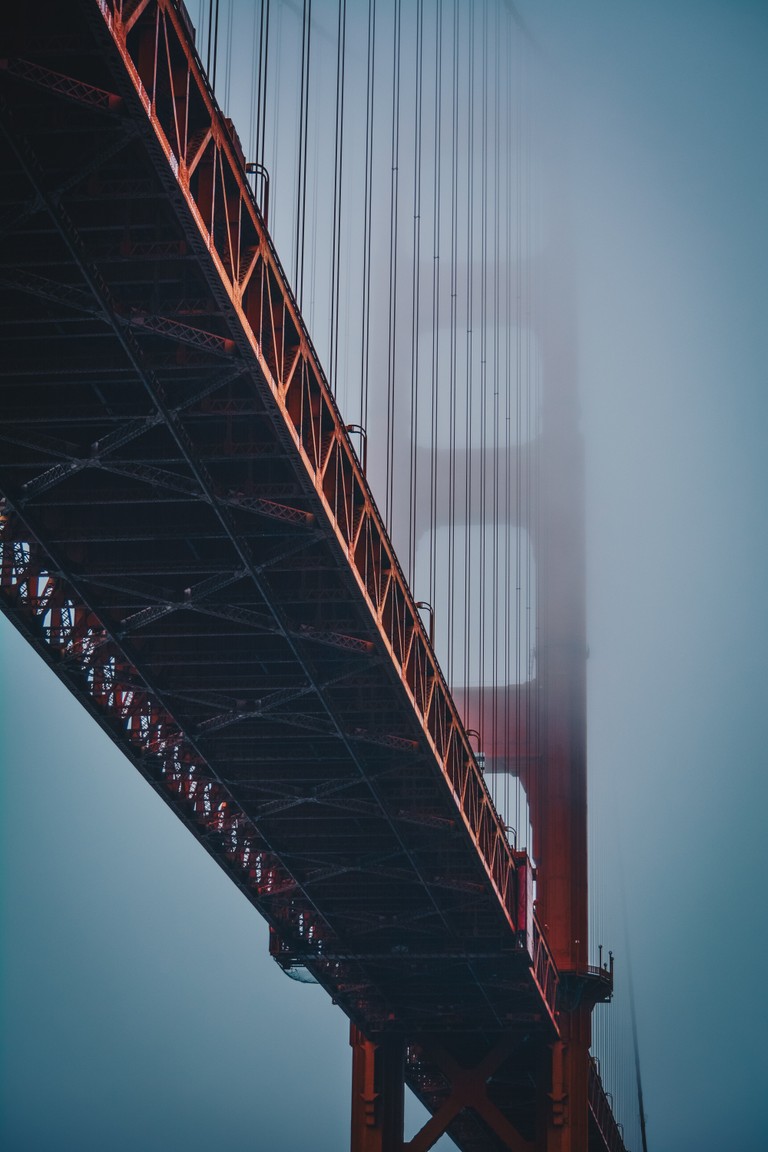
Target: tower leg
x=564 y=1086
x=378 y=1088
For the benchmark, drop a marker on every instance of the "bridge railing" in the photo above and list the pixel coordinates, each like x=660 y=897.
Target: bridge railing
x=602 y=1112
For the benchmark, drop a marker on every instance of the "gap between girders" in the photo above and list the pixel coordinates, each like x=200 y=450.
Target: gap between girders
x=332 y=871
x=129 y=133
x=147 y=473
x=124 y=434
x=127 y=585
x=264 y=708
x=246 y=616
x=348 y=805
x=331 y=788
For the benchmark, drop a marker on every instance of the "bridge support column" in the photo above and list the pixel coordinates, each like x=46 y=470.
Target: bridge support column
x=378 y=1088
x=563 y=1083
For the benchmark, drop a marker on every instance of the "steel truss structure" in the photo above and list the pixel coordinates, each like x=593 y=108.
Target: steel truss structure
x=189 y=540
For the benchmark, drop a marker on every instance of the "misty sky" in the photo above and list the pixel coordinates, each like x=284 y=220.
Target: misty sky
x=141 y=1008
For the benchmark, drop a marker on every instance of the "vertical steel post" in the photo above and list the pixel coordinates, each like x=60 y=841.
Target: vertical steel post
x=378 y=1089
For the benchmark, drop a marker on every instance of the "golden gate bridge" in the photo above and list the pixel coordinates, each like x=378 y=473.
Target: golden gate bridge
x=191 y=540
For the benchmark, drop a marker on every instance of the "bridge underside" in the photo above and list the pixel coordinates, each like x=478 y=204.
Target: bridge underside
x=226 y=612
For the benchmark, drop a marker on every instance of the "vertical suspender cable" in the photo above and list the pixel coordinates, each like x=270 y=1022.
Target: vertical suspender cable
x=275 y=106
x=338 y=172
x=512 y=749
x=453 y=338
x=228 y=82
x=482 y=462
x=301 y=189
x=496 y=508
x=215 y=45
x=368 y=213
x=309 y=307
x=633 y=1015
x=415 y=293
x=210 y=39
x=468 y=381
x=300 y=156
x=523 y=407
x=527 y=391
x=263 y=78
x=435 y=380
x=254 y=103
x=533 y=457
x=392 y=326
x=304 y=163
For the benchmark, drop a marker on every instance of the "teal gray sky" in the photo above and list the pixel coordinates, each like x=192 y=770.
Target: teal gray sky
x=667 y=115
x=141 y=1010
